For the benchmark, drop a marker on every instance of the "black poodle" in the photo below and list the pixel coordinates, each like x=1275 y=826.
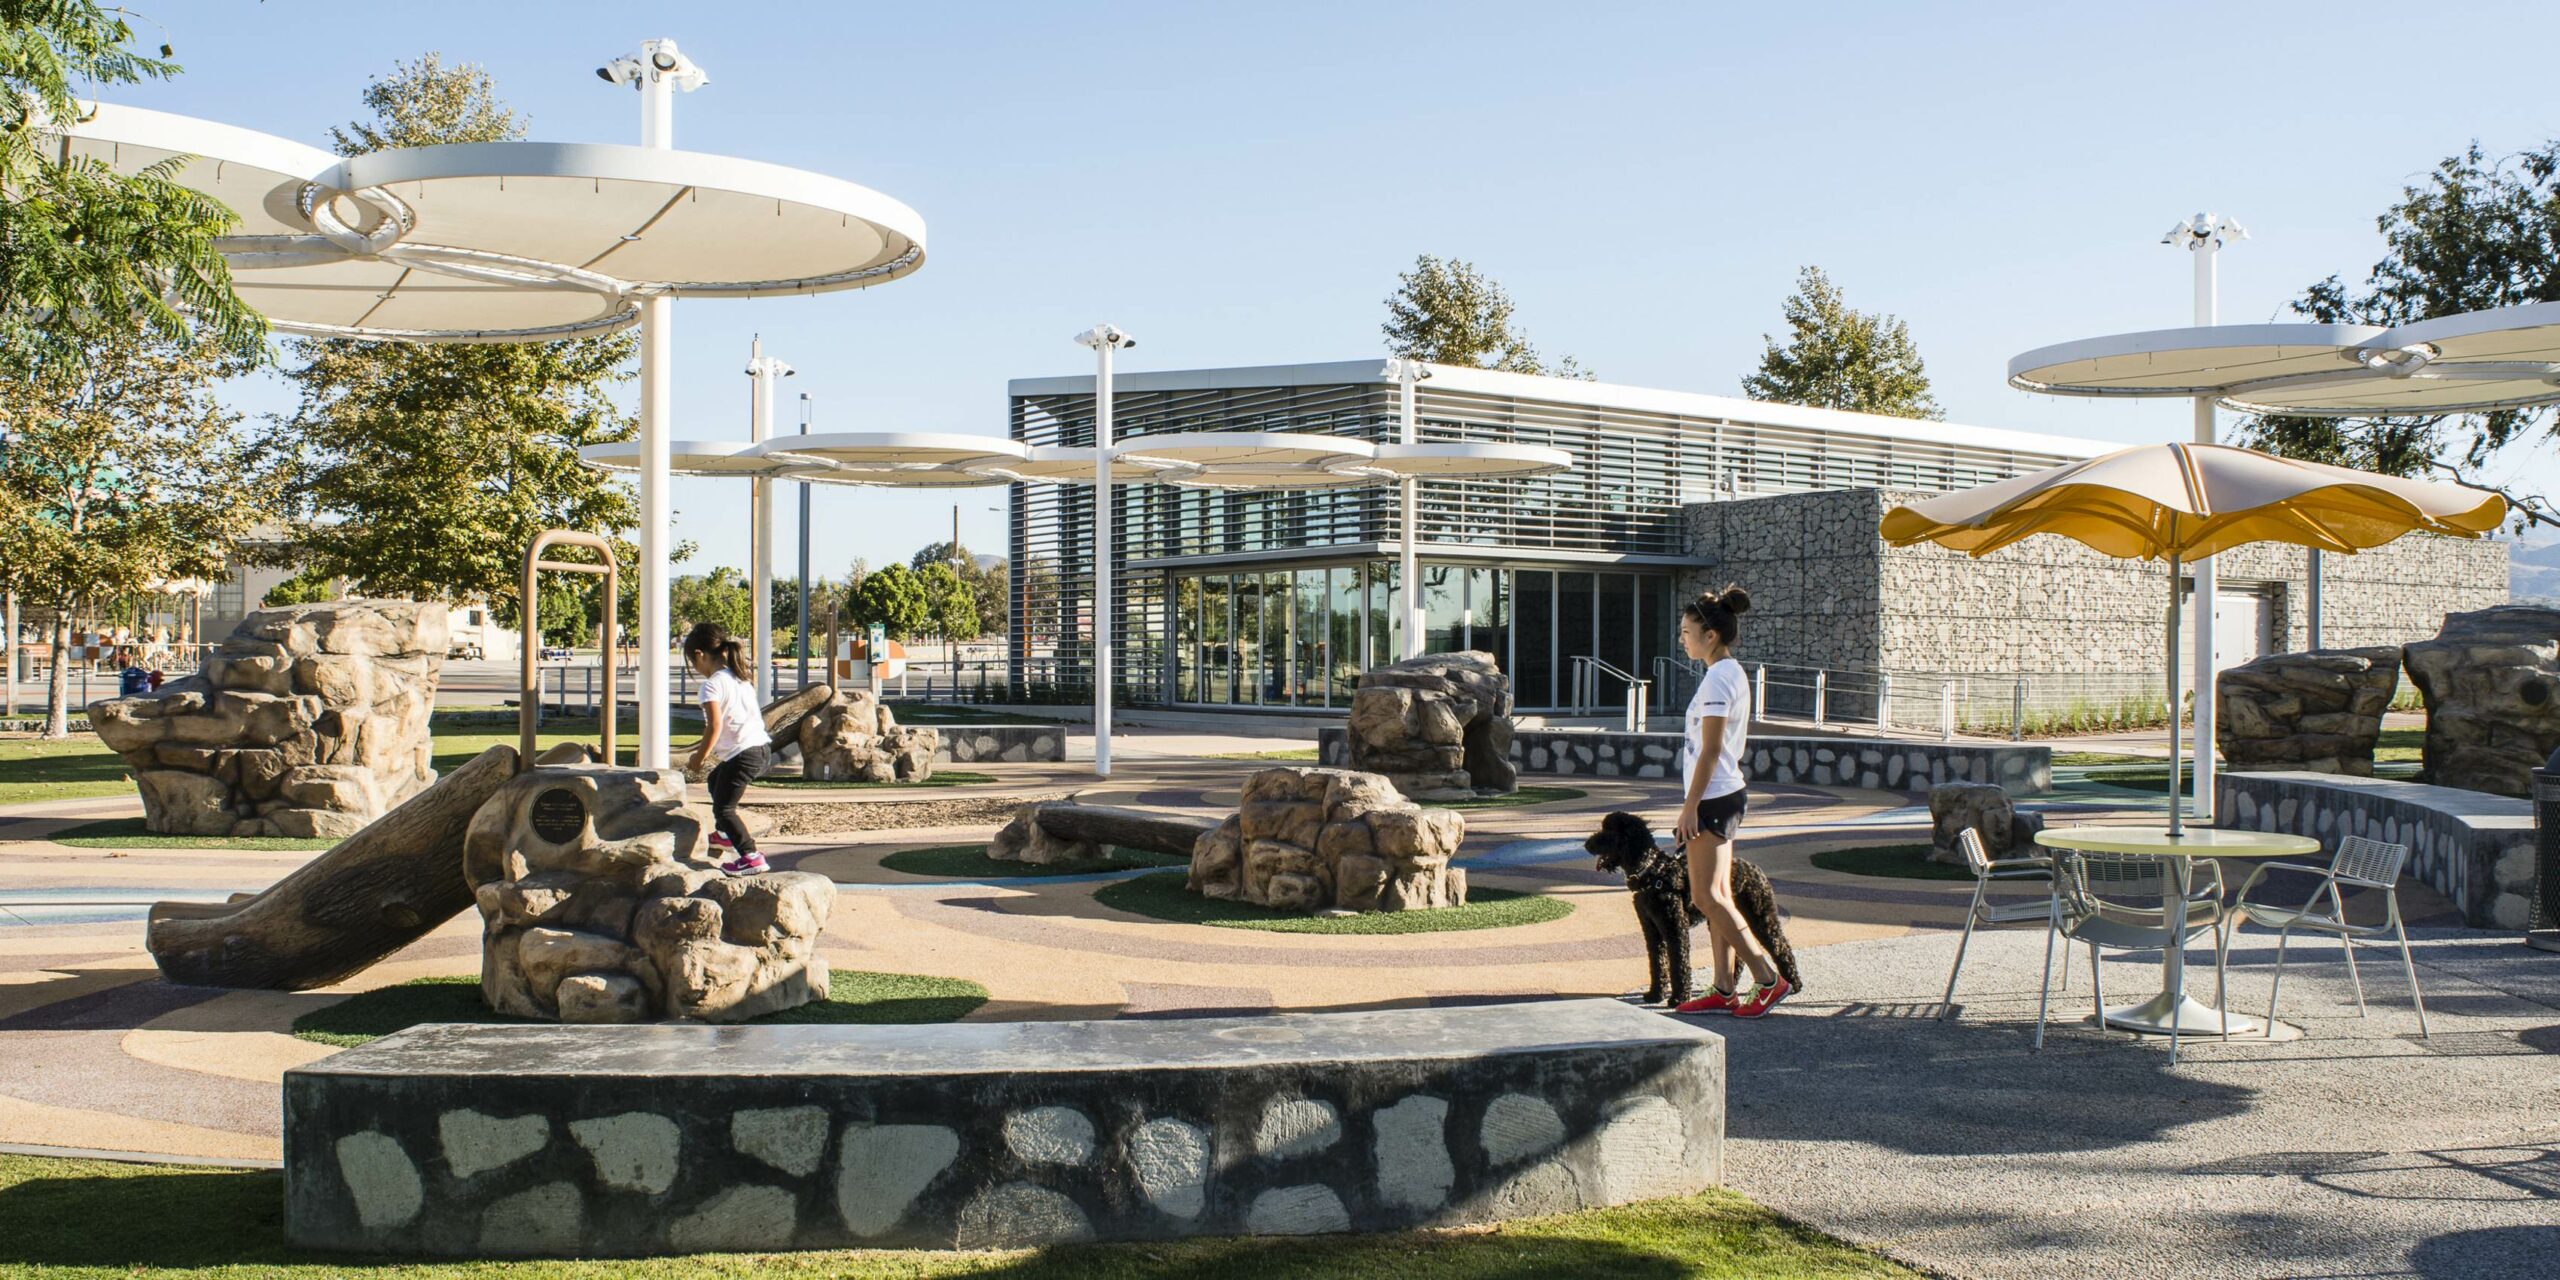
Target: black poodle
x=1659 y=879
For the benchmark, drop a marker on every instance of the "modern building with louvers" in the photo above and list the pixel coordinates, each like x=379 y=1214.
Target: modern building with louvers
x=1277 y=599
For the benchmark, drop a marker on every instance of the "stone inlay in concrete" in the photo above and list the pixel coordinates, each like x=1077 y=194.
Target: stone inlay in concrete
x=1018 y=1214
x=1517 y=1126
x=1295 y=1127
x=884 y=1167
x=382 y=1179
x=792 y=1139
x=1311 y=1209
x=1171 y=1161
x=1413 y=1152
x=633 y=1151
x=546 y=1219
x=1050 y=1135
x=475 y=1142
x=738 y=1220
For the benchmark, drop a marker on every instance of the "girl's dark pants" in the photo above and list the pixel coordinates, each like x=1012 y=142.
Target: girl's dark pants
x=729 y=780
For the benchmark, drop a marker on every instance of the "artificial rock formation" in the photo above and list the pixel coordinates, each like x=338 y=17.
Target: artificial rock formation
x=1983 y=806
x=598 y=904
x=1331 y=839
x=1051 y=831
x=851 y=737
x=309 y=721
x=2491 y=681
x=2320 y=712
x=1437 y=726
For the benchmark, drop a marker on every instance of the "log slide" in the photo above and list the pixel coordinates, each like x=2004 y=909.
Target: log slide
x=377 y=891
x=1109 y=825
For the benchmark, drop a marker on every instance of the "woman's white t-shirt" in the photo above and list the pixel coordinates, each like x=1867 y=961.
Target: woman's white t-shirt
x=741 y=721
x=1724 y=691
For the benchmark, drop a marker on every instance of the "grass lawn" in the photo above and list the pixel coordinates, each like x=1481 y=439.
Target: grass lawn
x=1162 y=897
x=853 y=996
x=940 y=778
x=970 y=862
x=1293 y=753
x=129 y=833
x=946 y=713
x=1898 y=861
x=2086 y=758
x=75 y=768
x=1516 y=799
x=61 y=1219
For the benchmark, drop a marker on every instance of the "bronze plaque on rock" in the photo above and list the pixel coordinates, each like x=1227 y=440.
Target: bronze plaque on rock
x=559 y=816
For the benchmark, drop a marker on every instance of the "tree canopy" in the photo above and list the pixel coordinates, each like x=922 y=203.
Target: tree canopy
x=426 y=470
x=2473 y=234
x=1836 y=357
x=989 y=585
x=1447 y=312
x=894 y=599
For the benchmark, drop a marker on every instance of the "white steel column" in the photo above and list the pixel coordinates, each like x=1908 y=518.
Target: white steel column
x=2203 y=236
x=9 y=652
x=1408 y=375
x=763 y=372
x=657 y=383
x=1104 y=339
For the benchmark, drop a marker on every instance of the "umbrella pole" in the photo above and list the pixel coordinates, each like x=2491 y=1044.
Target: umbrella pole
x=2177 y=727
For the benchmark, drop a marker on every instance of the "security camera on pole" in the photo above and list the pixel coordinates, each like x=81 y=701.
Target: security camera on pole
x=763 y=372
x=1408 y=376
x=657 y=73
x=2203 y=236
x=1104 y=339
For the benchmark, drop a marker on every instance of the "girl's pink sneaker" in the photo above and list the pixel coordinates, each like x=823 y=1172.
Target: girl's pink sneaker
x=747 y=864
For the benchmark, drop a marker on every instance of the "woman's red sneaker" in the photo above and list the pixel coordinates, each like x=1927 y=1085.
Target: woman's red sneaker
x=1764 y=999
x=1711 y=1002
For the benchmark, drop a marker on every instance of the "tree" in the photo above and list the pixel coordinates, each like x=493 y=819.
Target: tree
x=120 y=470
x=2474 y=234
x=989 y=585
x=1450 y=313
x=305 y=587
x=1839 y=358
x=425 y=470
x=719 y=596
x=893 y=599
x=86 y=254
x=951 y=607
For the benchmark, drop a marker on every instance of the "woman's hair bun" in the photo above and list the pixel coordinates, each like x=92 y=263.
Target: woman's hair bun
x=1735 y=599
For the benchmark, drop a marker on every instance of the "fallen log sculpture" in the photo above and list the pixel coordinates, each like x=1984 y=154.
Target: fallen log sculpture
x=377 y=891
x=1066 y=831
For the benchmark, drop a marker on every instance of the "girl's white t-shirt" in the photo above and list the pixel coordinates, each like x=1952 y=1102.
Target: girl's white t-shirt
x=741 y=720
x=1723 y=691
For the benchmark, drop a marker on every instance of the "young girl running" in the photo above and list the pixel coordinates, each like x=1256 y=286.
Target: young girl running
x=734 y=745
x=1718 y=725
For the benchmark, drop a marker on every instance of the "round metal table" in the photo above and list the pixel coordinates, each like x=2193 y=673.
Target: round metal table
x=2173 y=1008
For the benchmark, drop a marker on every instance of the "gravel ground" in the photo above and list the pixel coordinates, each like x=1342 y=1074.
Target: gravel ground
x=822 y=817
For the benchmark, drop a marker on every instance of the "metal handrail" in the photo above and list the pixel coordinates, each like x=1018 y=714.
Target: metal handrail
x=529 y=709
x=1587 y=670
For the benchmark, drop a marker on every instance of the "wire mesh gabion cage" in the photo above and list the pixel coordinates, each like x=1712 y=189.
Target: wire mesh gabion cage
x=2542 y=923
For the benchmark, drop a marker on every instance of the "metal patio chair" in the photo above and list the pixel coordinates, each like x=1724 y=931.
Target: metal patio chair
x=1987 y=869
x=2359 y=863
x=2114 y=900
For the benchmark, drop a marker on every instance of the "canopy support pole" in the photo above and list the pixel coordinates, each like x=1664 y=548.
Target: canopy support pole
x=762 y=373
x=657 y=390
x=1409 y=375
x=1104 y=339
x=2177 y=726
x=803 y=647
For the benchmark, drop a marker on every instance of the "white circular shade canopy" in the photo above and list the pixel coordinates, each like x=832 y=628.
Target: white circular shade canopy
x=1277 y=460
x=706 y=458
x=1466 y=460
x=508 y=241
x=2506 y=357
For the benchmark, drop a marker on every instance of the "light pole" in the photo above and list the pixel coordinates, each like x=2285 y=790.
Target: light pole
x=1104 y=339
x=804 y=555
x=1408 y=376
x=763 y=373
x=2203 y=236
x=657 y=73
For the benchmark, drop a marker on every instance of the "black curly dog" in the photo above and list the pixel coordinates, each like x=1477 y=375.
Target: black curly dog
x=1659 y=879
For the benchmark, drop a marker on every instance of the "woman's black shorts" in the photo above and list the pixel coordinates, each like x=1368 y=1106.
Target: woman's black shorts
x=1722 y=814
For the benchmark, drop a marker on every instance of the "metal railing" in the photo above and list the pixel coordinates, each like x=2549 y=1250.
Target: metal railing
x=2003 y=704
x=1588 y=672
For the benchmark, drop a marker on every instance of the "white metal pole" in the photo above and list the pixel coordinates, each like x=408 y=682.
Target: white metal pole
x=9 y=651
x=2312 y=601
x=657 y=390
x=803 y=646
x=2176 y=824
x=1409 y=375
x=2207 y=243
x=1102 y=554
x=763 y=372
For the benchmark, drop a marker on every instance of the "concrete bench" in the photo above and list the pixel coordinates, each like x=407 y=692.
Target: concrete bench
x=618 y=1141
x=1888 y=764
x=2474 y=848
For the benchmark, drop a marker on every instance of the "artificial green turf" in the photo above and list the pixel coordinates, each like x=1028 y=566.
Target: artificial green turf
x=853 y=996
x=1510 y=800
x=92 y=1219
x=940 y=778
x=1162 y=897
x=130 y=833
x=970 y=862
x=1898 y=861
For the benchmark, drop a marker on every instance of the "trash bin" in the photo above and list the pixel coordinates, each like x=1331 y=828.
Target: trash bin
x=2542 y=921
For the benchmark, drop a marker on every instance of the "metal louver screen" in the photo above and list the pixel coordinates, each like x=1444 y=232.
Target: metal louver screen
x=2545 y=915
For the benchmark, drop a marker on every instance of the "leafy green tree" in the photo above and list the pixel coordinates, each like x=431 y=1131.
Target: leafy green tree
x=720 y=596
x=305 y=587
x=2472 y=235
x=951 y=607
x=894 y=599
x=1447 y=312
x=1836 y=357
x=989 y=585
x=120 y=469
x=426 y=470
x=92 y=254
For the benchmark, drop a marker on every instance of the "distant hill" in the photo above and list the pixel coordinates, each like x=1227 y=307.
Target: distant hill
x=2533 y=570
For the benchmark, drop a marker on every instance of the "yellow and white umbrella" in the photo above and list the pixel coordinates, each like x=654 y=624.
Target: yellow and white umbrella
x=2179 y=502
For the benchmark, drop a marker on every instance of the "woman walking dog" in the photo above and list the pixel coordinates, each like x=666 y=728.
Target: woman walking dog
x=1714 y=733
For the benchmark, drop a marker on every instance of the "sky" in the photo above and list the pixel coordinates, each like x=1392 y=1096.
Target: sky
x=1240 y=184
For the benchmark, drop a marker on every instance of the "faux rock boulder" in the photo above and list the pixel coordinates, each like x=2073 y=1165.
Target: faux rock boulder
x=1437 y=726
x=1331 y=839
x=598 y=904
x=2491 y=681
x=1983 y=806
x=2320 y=712
x=309 y=721
x=852 y=738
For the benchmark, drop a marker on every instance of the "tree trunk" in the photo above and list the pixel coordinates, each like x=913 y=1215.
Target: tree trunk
x=57 y=679
x=1109 y=825
x=378 y=891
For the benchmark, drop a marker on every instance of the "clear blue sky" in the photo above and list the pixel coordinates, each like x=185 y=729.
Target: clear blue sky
x=1240 y=184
